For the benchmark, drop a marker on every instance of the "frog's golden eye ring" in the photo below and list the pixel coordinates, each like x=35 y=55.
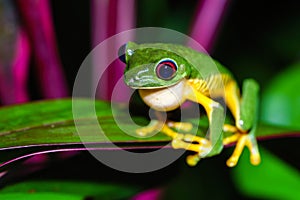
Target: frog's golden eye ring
x=166 y=69
x=121 y=53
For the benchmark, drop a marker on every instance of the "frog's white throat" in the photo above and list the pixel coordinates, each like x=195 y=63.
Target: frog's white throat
x=165 y=99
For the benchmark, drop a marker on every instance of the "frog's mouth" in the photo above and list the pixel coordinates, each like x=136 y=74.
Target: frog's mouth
x=147 y=86
x=165 y=99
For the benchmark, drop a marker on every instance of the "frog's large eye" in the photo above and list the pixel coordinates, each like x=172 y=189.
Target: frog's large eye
x=166 y=69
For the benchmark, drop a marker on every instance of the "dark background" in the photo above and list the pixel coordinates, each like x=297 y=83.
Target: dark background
x=257 y=39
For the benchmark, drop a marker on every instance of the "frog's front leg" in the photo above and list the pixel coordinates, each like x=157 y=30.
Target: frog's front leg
x=189 y=142
x=244 y=111
x=154 y=125
x=160 y=124
x=179 y=140
x=213 y=145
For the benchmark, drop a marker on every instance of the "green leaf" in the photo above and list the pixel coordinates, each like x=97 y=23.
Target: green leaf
x=45 y=196
x=272 y=179
x=281 y=100
x=48 y=126
x=51 y=122
x=74 y=190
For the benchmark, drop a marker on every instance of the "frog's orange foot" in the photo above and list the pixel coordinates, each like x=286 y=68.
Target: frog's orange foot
x=153 y=126
x=156 y=125
x=194 y=143
x=183 y=126
x=190 y=142
x=242 y=139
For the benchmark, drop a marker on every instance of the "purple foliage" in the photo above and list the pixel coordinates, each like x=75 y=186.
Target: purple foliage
x=152 y=194
x=208 y=18
x=108 y=19
x=14 y=57
x=36 y=32
x=39 y=26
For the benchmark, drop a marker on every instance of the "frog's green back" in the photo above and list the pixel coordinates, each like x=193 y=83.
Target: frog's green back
x=202 y=65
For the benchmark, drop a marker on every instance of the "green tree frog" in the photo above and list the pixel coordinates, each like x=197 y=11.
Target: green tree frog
x=167 y=75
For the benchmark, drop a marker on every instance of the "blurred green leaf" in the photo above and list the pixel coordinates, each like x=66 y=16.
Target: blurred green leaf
x=66 y=190
x=272 y=179
x=45 y=196
x=281 y=99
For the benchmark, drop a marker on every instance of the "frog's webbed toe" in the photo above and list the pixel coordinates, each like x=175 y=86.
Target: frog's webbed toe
x=183 y=126
x=201 y=146
x=154 y=125
x=242 y=139
x=189 y=142
x=197 y=144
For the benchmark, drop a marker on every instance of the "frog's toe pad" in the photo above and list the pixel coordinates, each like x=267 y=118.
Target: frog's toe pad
x=192 y=160
x=242 y=141
x=255 y=158
x=232 y=161
x=145 y=131
x=142 y=131
x=154 y=125
x=192 y=143
x=183 y=126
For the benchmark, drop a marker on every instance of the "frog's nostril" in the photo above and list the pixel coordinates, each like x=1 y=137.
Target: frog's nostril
x=121 y=53
x=131 y=80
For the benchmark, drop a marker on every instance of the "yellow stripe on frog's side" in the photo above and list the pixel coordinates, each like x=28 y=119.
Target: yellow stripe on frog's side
x=212 y=86
x=221 y=85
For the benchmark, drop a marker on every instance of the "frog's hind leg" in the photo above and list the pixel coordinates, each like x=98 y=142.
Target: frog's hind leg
x=189 y=142
x=244 y=110
x=242 y=140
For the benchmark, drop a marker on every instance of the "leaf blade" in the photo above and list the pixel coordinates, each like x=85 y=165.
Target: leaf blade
x=48 y=126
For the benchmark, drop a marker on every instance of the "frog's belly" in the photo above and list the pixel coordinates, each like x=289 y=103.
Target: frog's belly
x=164 y=99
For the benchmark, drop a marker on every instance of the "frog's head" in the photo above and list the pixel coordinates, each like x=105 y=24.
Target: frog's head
x=151 y=66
